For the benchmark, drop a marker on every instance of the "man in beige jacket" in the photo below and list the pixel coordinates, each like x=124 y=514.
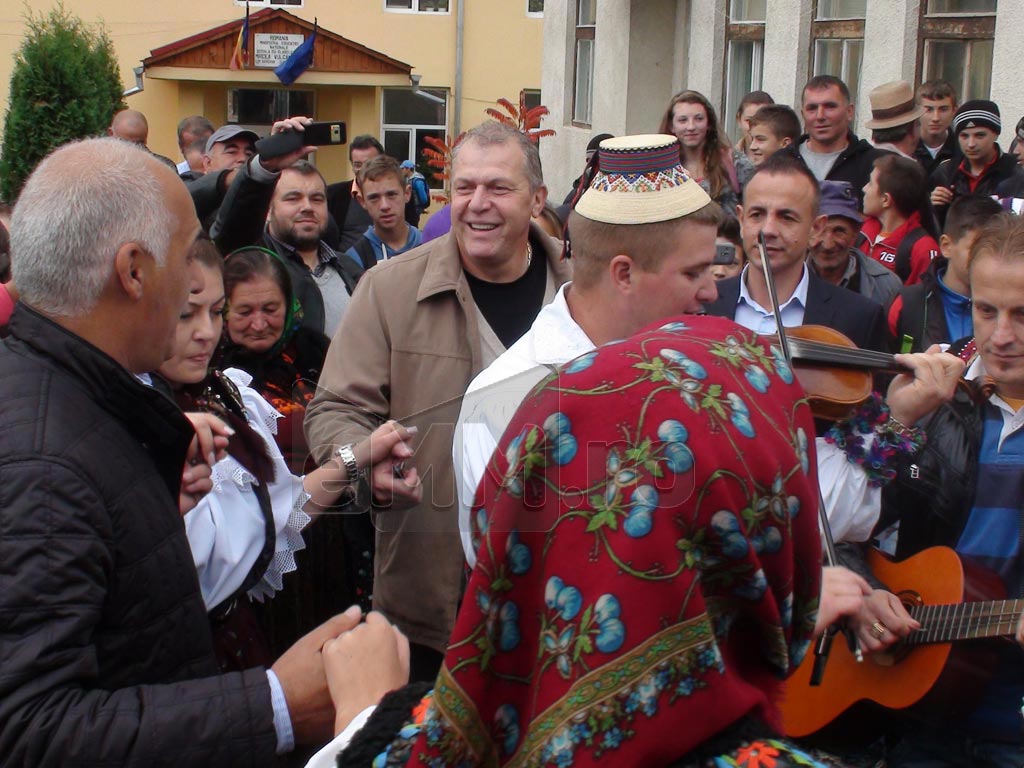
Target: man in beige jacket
x=418 y=329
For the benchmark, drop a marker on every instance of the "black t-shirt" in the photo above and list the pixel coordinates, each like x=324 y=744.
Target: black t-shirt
x=511 y=308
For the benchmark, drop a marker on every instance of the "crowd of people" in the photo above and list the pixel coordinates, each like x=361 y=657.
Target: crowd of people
x=288 y=477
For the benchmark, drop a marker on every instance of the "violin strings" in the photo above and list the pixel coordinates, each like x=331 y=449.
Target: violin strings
x=835 y=353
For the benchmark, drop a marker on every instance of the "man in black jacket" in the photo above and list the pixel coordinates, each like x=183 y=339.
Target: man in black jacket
x=963 y=489
x=290 y=196
x=829 y=148
x=105 y=648
x=937 y=142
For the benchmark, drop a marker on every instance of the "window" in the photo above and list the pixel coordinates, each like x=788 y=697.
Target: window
x=583 y=74
x=535 y=8
x=744 y=54
x=408 y=116
x=838 y=41
x=956 y=45
x=416 y=6
x=262 y=107
x=531 y=97
x=270 y=3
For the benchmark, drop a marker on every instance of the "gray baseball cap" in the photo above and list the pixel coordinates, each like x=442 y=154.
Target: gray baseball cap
x=227 y=133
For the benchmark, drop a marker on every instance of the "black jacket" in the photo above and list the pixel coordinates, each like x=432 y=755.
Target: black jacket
x=861 y=320
x=853 y=165
x=933 y=492
x=240 y=223
x=921 y=314
x=949 y=174
x=105 y=649
x=949 y=150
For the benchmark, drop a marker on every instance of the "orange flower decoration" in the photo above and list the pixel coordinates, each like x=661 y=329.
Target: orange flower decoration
x=757 y=755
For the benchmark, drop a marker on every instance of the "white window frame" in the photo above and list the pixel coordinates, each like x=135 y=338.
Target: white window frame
x=411 y=128
x=416 y=9
x=956 y=14
x=819 y=17
x=756 y=81
x=533 y=14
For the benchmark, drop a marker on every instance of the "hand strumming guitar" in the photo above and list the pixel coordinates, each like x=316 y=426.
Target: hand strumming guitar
x=881 y=621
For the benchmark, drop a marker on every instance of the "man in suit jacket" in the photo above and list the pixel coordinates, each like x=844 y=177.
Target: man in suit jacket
x=782 y=200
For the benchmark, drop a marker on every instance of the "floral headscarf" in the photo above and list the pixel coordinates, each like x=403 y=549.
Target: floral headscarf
x=649 y=560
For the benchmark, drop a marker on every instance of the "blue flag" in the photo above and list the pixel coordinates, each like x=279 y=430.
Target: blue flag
x=291 y=69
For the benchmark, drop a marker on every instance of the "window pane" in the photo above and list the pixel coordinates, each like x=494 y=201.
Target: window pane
x=586 y=13
x=405 y=107
x=842 y=9
x=397 y=143
x=979 y=74
x=748 y=10
x=743 y=75
x=828 y=57
x=946 y=60
x=434 y=5
x=853 y=55
x=535 y=6
x=531 y=98
x=300 y=103
x=400 y=4
x=584 y=81
x=961 y=6
x=255 y=107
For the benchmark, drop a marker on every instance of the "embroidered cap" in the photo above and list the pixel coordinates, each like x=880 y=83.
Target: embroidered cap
x=979 y=113
x=639 y=180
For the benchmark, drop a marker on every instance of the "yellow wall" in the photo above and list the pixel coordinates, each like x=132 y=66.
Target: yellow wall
x=502 y=55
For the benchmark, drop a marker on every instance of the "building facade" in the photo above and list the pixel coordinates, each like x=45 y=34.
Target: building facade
x=611 y=66
x=397 y=69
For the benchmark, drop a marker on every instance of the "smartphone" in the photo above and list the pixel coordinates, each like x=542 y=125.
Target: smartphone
x=725 y=253
x=320 y=134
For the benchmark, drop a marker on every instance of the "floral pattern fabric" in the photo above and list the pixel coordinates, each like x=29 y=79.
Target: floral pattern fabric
x=648 y=561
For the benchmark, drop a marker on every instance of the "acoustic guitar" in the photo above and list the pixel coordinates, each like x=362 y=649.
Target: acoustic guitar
x=953 y=600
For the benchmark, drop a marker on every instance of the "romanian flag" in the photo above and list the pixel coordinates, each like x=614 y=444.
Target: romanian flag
x=241 y=52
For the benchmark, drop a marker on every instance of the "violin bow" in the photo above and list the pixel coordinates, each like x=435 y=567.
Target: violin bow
x=821 y=650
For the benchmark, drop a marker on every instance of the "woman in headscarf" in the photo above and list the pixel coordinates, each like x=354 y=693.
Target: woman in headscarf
x=648 y=567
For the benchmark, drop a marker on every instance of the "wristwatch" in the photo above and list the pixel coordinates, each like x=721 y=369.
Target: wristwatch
x=348 y=459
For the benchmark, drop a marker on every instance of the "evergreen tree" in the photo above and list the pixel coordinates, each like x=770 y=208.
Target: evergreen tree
x=65 y=86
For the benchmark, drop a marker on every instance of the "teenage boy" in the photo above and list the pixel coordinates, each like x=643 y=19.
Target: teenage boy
x=894 y=235
x=384 y=194
x=773 y=127
x=937 y=142
x=984 y=165
x=937 y=310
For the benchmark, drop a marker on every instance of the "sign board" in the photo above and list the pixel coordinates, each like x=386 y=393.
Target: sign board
x=269 y=50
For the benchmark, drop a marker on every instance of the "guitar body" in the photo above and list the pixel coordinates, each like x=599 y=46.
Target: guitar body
x=907 y=677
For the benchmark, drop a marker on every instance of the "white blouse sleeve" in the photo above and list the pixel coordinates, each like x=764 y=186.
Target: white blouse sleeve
x=227 y=531
x=853 y=506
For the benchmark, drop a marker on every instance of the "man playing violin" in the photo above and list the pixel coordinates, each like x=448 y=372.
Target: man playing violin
x=782 y=200
x=964 y=488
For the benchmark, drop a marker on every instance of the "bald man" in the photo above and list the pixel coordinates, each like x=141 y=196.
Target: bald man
x=105 y=645
x=131 y=125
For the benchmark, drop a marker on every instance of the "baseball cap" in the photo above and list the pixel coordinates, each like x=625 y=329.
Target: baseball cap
x=227 y=133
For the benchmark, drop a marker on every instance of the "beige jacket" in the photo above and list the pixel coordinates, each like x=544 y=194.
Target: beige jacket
x=407 y=348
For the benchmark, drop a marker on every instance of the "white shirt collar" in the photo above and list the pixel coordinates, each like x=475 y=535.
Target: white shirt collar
x=752 y=315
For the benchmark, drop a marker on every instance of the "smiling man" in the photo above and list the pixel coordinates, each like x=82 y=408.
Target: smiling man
x=419 y=328
x=829 y=148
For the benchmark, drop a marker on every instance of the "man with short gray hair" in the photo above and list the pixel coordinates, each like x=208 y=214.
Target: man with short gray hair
x=421 y=325
x=106 y=655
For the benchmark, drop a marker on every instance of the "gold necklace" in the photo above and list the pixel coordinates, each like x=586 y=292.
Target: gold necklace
x=529 y=254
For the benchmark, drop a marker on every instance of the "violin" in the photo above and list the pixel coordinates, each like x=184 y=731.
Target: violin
x=835 y=373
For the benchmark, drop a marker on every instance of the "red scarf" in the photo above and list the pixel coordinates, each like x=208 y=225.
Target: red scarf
x=649 y=560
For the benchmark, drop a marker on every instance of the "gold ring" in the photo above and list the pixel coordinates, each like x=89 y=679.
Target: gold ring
x=878 y=629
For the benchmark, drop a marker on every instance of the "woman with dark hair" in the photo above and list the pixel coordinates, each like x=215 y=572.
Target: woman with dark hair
x=244 y=533
x=705 y=151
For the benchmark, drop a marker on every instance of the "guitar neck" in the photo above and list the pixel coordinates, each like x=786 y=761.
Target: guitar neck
x=965 y=621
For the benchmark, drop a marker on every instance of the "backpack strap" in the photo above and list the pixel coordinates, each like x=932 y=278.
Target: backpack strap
x=906 y=250
x=367 y=256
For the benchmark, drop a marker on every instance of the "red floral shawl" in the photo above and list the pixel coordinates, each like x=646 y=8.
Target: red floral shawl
x=649 y=563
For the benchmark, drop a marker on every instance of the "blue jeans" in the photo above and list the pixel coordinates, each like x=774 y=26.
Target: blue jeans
x=954 y=750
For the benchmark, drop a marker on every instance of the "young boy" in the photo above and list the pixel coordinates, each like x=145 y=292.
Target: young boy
x=894 y=235
x=384 y=193
x=938 y=309
x=772 y=127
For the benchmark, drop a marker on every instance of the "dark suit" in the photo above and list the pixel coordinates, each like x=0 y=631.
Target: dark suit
x=860 y=319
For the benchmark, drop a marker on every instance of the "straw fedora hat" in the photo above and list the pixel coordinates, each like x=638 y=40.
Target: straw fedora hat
x=893 y=104
x=640 y=180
